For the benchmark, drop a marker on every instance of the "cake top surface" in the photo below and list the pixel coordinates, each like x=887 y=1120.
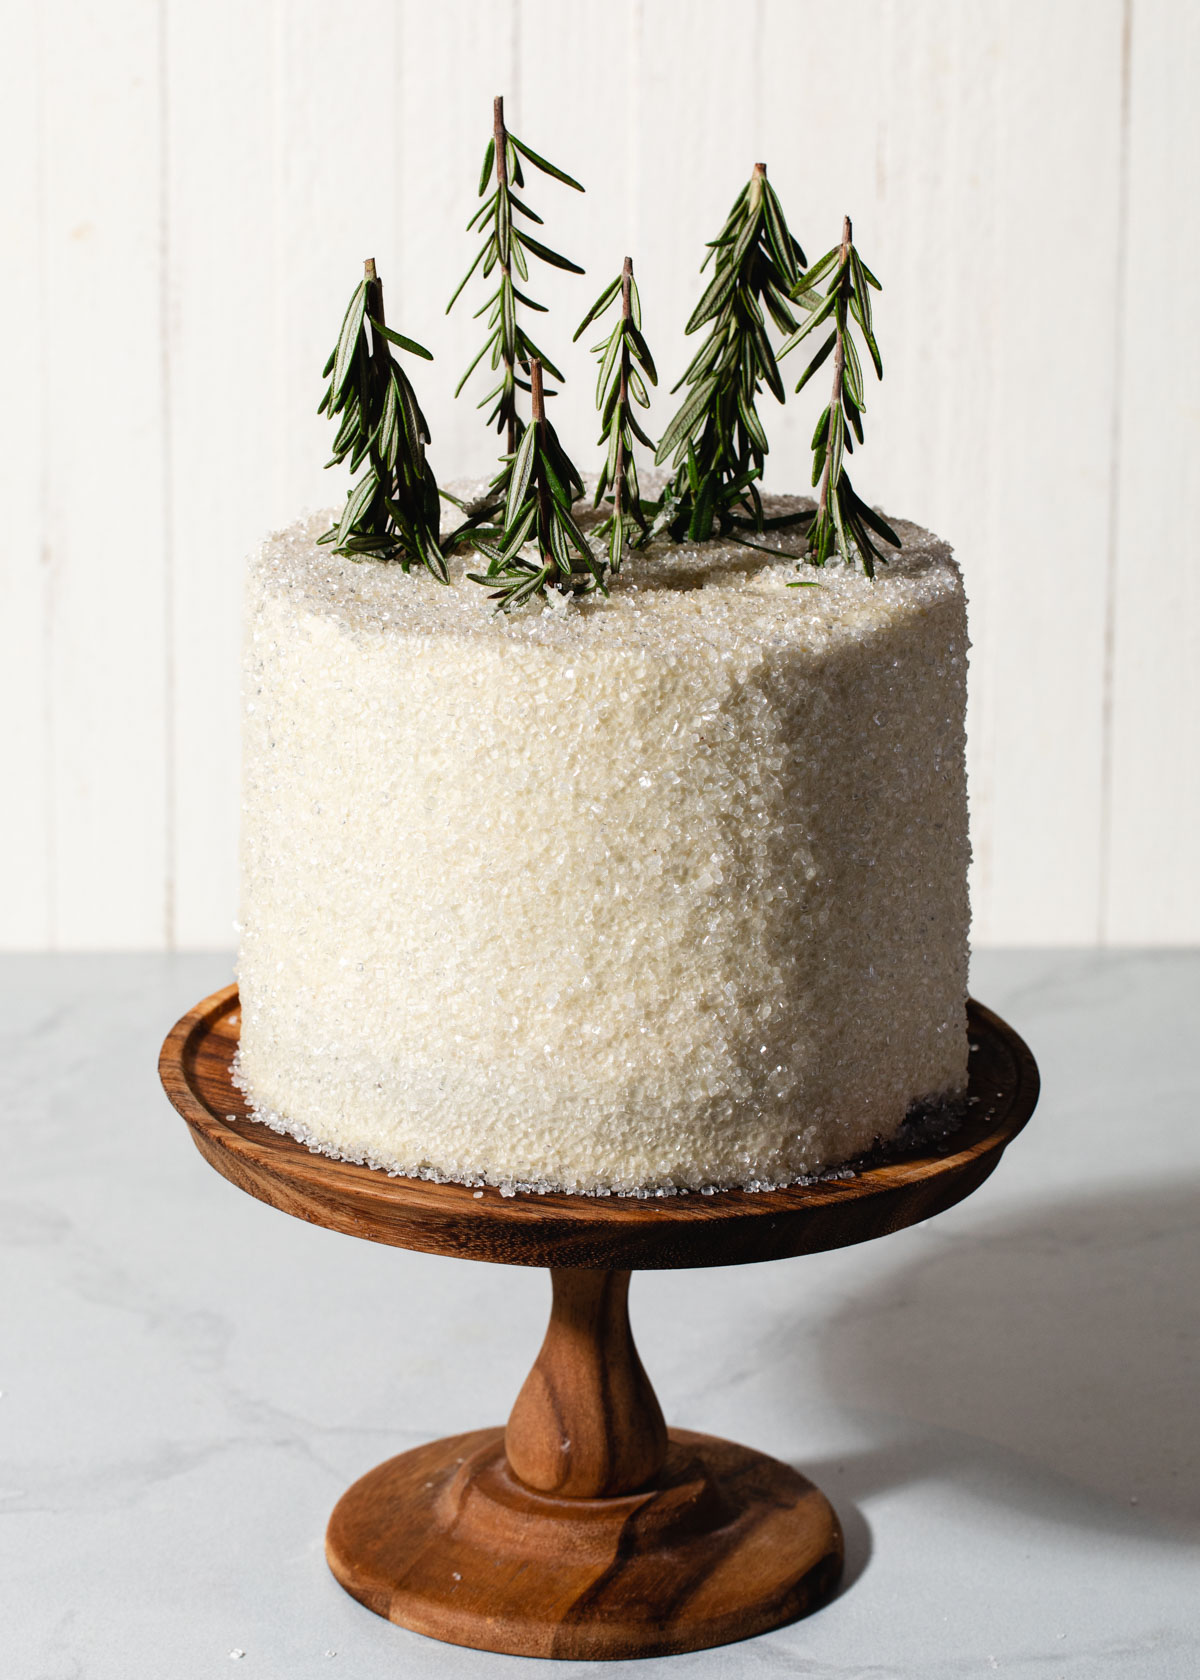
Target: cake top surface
x=667 y=594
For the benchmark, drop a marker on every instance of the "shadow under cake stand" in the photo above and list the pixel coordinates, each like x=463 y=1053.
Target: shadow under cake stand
x=586 y=1528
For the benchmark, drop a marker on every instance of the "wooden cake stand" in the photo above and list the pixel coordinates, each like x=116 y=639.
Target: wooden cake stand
x=586 y=1528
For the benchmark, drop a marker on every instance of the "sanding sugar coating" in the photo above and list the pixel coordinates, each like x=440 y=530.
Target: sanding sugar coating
x=661 y=892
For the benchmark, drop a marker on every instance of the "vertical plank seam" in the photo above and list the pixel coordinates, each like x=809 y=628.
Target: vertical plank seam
x=167 y=472
x=516 y=117
x=399 y=107
x=279 y=384
x=886 y=32
x=988 y=686
x=633 y=67
x=758 y=64
x=46 y=716
x=1109 y=646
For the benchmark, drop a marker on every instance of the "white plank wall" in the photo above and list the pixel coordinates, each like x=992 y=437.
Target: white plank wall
x=1150 y=853
x=189 y=190
x=27 y=833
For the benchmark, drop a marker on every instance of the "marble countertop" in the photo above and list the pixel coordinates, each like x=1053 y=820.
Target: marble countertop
x=1001 y=1403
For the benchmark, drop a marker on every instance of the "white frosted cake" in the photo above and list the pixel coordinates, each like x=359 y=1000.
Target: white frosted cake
x=660 y=892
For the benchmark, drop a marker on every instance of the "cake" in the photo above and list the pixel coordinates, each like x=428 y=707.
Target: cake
x=655 y=893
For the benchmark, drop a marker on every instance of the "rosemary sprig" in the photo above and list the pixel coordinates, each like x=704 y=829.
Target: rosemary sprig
x=842 y=516
x=716 y=442
x=543 y=484
x=625 y=366
x=392 y=513
x=505 y=250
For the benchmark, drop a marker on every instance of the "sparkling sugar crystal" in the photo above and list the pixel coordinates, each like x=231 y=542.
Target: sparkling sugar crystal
x=656 y=893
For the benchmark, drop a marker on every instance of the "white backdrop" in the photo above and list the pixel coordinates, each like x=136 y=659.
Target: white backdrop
x=190 y=186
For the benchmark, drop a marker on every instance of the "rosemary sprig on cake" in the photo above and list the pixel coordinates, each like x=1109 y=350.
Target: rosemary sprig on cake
x=392 y=513
x=625 y=366
x=715 y=446
x=716 y=443
x=842 y=516
x=542 y=486
x=505 y=251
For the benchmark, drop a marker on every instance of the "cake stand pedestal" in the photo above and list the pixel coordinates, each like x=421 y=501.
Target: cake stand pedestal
x=586 y=1528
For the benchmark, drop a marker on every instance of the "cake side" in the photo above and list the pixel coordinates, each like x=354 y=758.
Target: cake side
x=667 y=891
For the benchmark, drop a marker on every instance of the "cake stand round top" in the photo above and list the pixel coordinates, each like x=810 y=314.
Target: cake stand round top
x=883 y=1192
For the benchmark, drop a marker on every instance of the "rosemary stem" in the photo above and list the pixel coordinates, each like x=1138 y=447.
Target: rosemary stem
x=375 y=306
x=623 y=395
x=379 y=350
x=839 y=362
x=538 y=406
x=500 y=136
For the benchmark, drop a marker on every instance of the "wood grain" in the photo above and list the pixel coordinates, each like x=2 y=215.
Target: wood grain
x=586 y=1529
x=446 y=1541
x=608 y=1233
x=587 y=1423
x=583 y=1530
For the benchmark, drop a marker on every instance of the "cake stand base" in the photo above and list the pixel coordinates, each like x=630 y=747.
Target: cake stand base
x=585 y=1529
x=446 y=1541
